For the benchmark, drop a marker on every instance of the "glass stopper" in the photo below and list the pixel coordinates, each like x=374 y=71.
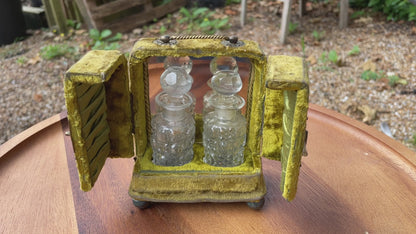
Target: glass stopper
x=225 y=63
x=226 y=82
x=184 y=62
x=176 y=81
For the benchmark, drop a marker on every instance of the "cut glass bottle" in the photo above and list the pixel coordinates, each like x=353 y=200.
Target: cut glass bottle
x=224 y=134
x=173 y=126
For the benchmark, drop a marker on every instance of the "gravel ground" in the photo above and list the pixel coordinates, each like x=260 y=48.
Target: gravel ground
x=31 y=88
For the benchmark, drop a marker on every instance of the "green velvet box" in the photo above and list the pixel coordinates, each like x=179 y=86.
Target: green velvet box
x=109 y=113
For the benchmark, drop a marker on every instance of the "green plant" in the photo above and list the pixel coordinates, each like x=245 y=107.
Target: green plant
x=357 y=14
x=330 y=56
x=163 y=29
x=103 y=41
x=354 y=51
x=324 y=57
x=371 y=75
x=414 y=140
x=55 y=51
x=394 y=9
x=333 y=56
x=202 y=19
x=212 y=26
x=21 y=60
x=292 y=27
x=394 y=80
x=317 y=35
x=73 y=24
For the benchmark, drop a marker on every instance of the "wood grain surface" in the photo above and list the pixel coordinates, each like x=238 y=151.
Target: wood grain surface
x=35 y=189
x=354 y=180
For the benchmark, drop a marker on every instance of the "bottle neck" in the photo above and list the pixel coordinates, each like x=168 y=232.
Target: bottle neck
x=173 y=115
x=225 y=114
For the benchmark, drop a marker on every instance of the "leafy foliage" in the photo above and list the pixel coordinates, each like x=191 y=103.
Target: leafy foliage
x=324 y=57
x=357 y=14
x=371 y=75
x=21 y=60
x=292 y=27
x=103 y=41
x=354 y=51
x=73 y=24
x=394 y=9
x=414 y=139
x=202 y=19
x=392 y=79
x=318 y=35
x=333 y=56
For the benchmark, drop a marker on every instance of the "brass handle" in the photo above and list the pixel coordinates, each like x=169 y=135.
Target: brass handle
x=171 y=40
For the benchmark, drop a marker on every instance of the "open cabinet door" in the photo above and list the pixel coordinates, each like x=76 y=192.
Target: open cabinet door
x=285 y=114
x=98 y=103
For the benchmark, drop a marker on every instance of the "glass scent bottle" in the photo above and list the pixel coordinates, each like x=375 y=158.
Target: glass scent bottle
x=224 y=134
x=223 y=63
x=173 y=126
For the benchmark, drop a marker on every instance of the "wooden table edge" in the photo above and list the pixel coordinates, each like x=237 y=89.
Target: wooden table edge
x=390 y=143
x=30 y=132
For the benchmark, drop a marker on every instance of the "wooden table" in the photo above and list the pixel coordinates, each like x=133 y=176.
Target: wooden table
x=355 y=180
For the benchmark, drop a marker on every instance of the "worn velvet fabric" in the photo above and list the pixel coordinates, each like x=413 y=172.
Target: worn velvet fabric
x=110 y=116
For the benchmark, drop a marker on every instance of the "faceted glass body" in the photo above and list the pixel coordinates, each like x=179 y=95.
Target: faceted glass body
x=224 y=139
x=173 y=136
